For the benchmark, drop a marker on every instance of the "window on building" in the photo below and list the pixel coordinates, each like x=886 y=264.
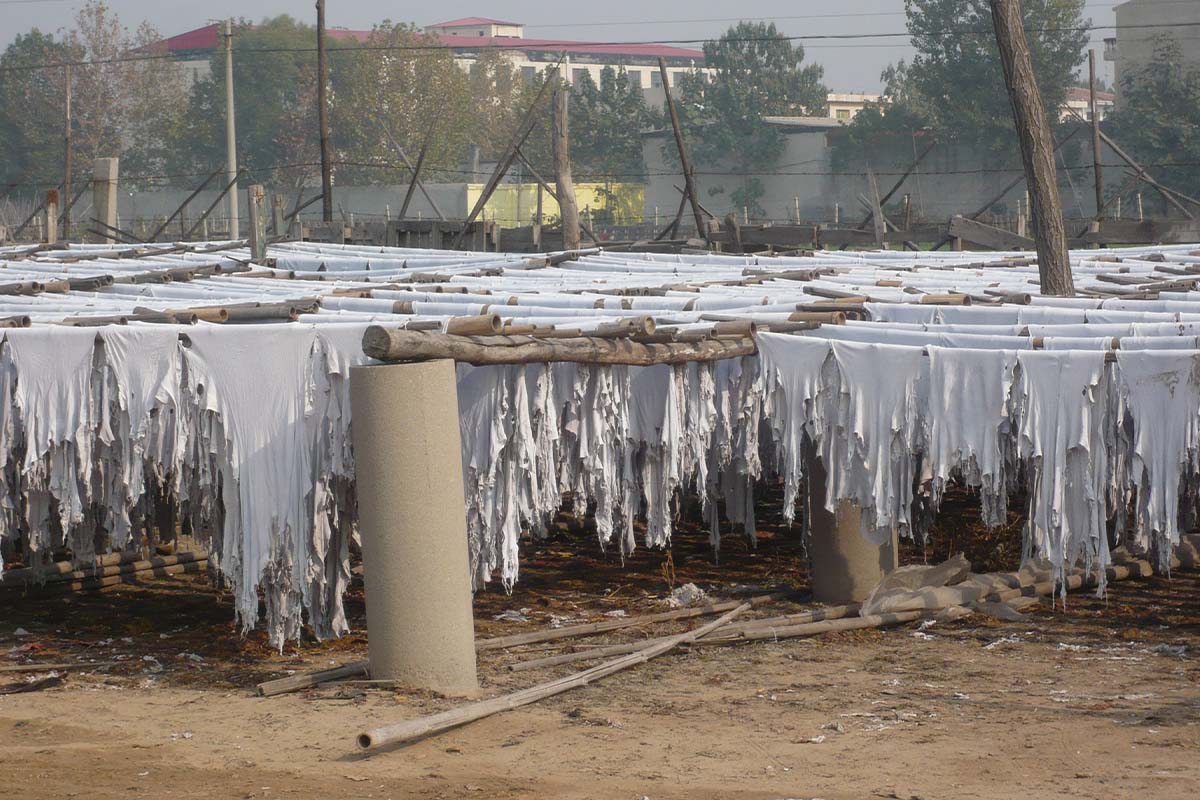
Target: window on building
x=528 y=75
x=634 y=76
x=655 y=79
x=577 y=75
x=842 y=113
x=675 y=77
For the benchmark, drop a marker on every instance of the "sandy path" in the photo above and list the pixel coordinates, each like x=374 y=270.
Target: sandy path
x=1058 y=705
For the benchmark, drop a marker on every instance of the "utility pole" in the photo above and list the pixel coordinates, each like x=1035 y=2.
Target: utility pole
x=231 y=168
x=66 y=224
x=568 y=210
x=1099 y=172
x=1037 y=149
x=323 y=118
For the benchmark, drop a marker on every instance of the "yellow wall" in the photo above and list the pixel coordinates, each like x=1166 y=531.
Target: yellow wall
x=513 y=205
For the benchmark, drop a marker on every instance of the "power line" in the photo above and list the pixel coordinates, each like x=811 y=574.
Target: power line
x=557 y=46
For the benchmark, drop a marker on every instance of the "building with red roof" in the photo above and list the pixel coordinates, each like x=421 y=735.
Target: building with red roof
x=469 y=36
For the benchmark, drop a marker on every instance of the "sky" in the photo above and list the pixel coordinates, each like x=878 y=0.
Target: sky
x=849 y=65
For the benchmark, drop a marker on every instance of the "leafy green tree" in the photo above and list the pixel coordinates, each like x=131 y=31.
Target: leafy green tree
x=387 y=89
x=758 y=73
x=31 y=110
x=954 y=84
x=120 y=106
x=1158 y=121
x=606 y=126
x=269 y=89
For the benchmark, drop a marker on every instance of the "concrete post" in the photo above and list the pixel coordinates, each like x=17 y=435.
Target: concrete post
x=256 y=205
x=52 y=216
x=104 y=196
x=843 y=566
x=413 y=525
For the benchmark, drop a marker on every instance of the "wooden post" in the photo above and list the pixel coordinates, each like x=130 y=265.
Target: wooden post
x=323 y=118
x=689 y=179
x=416 y=172
x=104 y=196
x=66 y=223
x=568 y=210
x=256 y=207
x=51 y=216
x=1096 y=167
x=1037 y=149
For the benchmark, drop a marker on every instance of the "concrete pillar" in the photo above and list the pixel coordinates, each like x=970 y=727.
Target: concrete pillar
x=52 y=216
x=843 y=565
x=256 y=206
x=104 y=196
x=413 y=525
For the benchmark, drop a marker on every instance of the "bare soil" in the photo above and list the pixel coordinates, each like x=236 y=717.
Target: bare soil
x=1101 y=699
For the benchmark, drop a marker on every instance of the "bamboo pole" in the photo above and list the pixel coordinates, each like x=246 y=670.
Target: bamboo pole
x=394 y=344
x=293 y=683
x=817 y=615
x=411 y=730
x=608 y=625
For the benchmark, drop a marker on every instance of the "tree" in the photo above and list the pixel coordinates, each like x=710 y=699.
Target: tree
x=1158 y=121
x=125 y=99
x=758 y=73
x=272 y=90
x=606 y=126
x=31 y=98
x=954 y=84
x=122 y=105
x=384 y=88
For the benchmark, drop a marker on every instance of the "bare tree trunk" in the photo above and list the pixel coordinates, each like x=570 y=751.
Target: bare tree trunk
x=1037 y=149
x=562 y=172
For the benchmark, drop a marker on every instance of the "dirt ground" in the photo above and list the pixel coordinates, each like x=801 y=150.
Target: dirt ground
x=1100 y=700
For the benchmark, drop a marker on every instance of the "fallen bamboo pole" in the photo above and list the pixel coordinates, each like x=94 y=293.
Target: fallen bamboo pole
x=354 y=668
x=294 y=683
x=58 y=667
x=107 y=571
x=604 y=651
x=394 y=344
x=605 y=626
x=411 y=730
x=91 y=584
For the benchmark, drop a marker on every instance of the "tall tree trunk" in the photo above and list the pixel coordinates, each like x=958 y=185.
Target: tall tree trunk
x=1037 y=149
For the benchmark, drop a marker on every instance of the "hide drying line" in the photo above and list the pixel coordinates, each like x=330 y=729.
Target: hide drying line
x=185 y=382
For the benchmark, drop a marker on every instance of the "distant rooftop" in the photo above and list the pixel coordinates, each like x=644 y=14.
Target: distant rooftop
x=468 y=21
x=208 y=38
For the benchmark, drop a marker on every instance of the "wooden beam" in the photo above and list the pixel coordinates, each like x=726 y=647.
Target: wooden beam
x=395 y=344
x=416 y=170
x=510 y=152
x=689 y=178
x=1037 y=148
x=541 y=182
x=989 y=236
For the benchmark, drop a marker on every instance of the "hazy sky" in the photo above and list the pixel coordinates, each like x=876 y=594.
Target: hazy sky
x=849 y=65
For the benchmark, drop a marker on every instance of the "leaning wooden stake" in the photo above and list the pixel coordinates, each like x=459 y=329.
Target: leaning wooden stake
x=689 y=175
x=1037 y=149
x=411 y=730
